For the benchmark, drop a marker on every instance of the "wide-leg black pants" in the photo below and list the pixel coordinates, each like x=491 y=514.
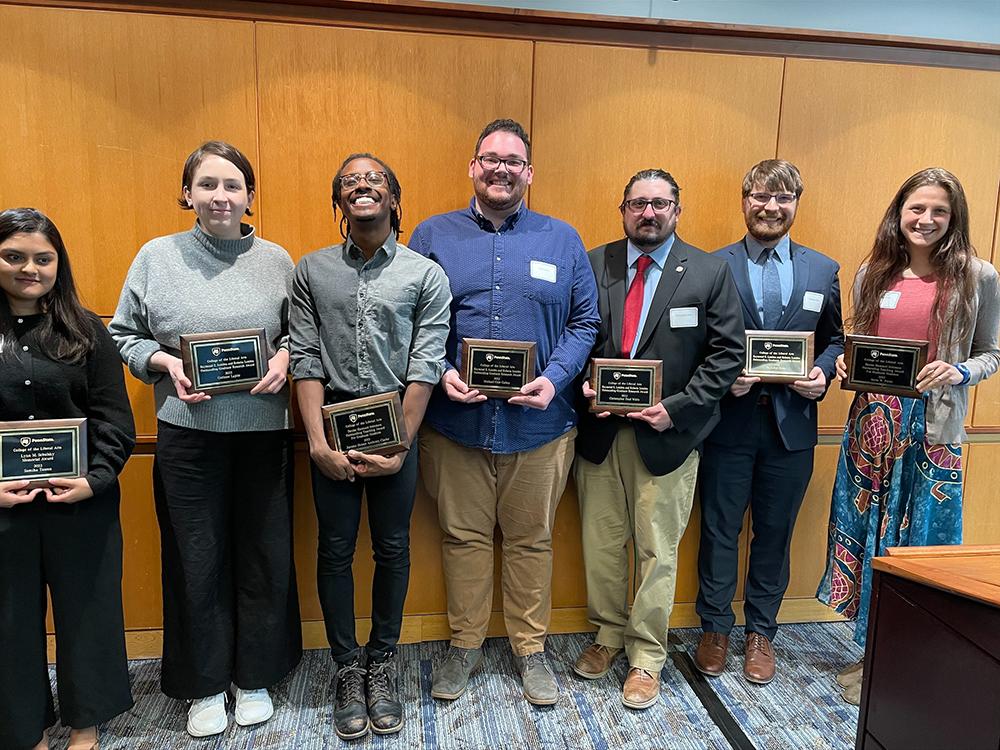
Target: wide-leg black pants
x=230 y=603
x=76 y=551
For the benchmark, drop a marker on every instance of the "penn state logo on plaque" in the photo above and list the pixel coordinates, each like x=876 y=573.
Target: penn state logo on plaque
x=224 y=361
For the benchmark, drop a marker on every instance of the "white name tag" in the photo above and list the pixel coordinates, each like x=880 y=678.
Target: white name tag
x=544 y=271
x=684 y=317
x=812 y=301
x=889 y=300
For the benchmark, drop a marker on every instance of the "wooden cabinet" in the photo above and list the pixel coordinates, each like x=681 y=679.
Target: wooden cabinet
x=932 y=665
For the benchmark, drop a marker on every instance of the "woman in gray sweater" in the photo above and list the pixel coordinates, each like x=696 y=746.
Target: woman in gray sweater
x=222 y=475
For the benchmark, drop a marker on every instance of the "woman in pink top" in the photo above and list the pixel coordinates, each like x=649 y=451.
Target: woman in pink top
x=899 y=477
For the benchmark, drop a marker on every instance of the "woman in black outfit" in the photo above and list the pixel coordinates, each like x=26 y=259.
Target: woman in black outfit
x=57 y=361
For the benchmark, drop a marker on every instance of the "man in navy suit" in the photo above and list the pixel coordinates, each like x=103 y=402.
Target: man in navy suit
x=761 y=452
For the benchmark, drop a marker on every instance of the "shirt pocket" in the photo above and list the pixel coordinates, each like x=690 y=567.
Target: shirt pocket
x=393 y=310
x=545 y=280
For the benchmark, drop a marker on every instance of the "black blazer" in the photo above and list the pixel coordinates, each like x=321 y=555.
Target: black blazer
x=699 y=363
x=795 y=415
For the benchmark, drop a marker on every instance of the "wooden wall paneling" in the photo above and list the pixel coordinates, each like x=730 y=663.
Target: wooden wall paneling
x=101 y=111
x=857 y=131
x=986 y=411
x=141 y=585
x=416 y=100
x=603 y=113
x=981 y=500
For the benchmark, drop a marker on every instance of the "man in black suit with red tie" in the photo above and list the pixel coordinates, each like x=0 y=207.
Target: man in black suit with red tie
x=761 y=454
x=660 y=299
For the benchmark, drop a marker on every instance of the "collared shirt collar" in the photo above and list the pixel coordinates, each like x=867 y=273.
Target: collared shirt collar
x=487 y=225
x=388 y=249
x=783 y=248
x=659 y=255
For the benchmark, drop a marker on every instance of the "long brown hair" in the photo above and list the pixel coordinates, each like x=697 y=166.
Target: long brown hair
x=66 y=332
x=951 y=260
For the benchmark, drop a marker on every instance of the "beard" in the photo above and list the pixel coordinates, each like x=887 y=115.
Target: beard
x=500 y=202
x=765 y=232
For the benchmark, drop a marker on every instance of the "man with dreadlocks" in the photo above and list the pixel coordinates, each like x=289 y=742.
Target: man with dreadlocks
x=368 y=316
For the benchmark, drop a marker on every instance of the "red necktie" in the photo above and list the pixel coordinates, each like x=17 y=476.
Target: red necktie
x=633 y=304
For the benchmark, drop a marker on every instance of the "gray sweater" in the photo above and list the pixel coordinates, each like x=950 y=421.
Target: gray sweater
x=193 y=282
x=947 y=406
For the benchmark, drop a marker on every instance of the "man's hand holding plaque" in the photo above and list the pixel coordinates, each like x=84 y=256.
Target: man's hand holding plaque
x=625 y=386
x=502 y=369
x=373 y=426
x=779 y=356
x=878 y=364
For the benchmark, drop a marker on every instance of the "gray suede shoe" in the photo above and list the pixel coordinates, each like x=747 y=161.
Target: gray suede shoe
x=451 y=676
x=537 y=680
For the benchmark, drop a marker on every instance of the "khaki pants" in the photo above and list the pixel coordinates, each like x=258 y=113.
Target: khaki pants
x=475 y=490
x=619 y=500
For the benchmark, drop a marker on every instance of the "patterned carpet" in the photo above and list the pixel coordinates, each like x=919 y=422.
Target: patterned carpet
x=801 y=709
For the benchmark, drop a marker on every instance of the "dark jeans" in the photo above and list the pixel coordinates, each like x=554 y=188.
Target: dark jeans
x=75 y=550
x=338 y=508
x=230 y=604
x=761 y=473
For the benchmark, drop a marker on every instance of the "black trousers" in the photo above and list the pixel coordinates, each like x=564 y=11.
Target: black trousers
x=338 y=508
x=230 y=604
x=761 y=473
x=75 y=550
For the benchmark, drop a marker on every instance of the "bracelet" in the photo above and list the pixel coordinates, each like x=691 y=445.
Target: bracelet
x=966 y=375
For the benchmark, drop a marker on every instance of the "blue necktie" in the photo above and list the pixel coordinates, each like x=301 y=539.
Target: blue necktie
x=772 y=290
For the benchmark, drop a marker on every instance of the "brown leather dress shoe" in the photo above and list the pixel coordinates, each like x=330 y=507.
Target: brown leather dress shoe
x=710 y=658
x=758 y=664
x=641 y=688
x=595 y=661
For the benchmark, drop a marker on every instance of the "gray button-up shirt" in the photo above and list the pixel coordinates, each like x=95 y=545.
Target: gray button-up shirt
x=368 y=327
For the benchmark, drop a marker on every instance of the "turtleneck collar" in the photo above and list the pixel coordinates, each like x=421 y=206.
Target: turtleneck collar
x=225 y=248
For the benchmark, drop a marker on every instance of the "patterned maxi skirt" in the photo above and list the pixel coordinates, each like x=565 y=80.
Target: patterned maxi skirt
x=893 y=489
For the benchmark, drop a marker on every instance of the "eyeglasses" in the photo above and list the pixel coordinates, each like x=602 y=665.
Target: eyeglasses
x=373 y=178
x=491 y=163
x=783 y=199
x=638 y=205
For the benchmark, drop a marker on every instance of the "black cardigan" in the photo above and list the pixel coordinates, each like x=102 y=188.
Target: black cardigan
x=33 y=386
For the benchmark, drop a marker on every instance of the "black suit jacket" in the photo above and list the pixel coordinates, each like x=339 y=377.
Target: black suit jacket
x=699 y=362
x=796 y=416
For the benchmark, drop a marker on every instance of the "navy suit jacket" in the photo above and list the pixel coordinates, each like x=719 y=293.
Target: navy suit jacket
x=699 y=362
x=796 y=416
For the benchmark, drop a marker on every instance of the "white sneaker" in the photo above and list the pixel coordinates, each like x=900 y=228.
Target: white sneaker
x=207 y=716
x=253 y=706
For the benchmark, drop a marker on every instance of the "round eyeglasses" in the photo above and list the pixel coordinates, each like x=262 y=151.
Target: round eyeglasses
x=373 y=178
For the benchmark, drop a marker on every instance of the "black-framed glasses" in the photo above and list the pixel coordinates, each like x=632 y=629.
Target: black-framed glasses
x=782 y=199
x=491 y=163
x=373 y=178
x=638 y=205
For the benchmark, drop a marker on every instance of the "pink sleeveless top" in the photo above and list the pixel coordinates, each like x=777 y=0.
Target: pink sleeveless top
x=910 y=318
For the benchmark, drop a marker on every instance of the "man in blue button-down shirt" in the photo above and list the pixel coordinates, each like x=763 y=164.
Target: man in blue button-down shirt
x=515 y=275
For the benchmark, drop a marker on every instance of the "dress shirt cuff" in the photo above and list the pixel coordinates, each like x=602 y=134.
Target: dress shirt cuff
x=419 y=371
x=557 y=375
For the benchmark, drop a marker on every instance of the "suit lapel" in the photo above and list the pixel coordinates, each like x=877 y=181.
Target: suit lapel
x=616 y=274
x=673 y=271
x=800 y=279
x=738 y=265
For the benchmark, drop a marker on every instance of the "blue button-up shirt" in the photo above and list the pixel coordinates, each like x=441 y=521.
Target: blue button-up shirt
x=528 y=281
x=653 y=273
x=755 y=267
